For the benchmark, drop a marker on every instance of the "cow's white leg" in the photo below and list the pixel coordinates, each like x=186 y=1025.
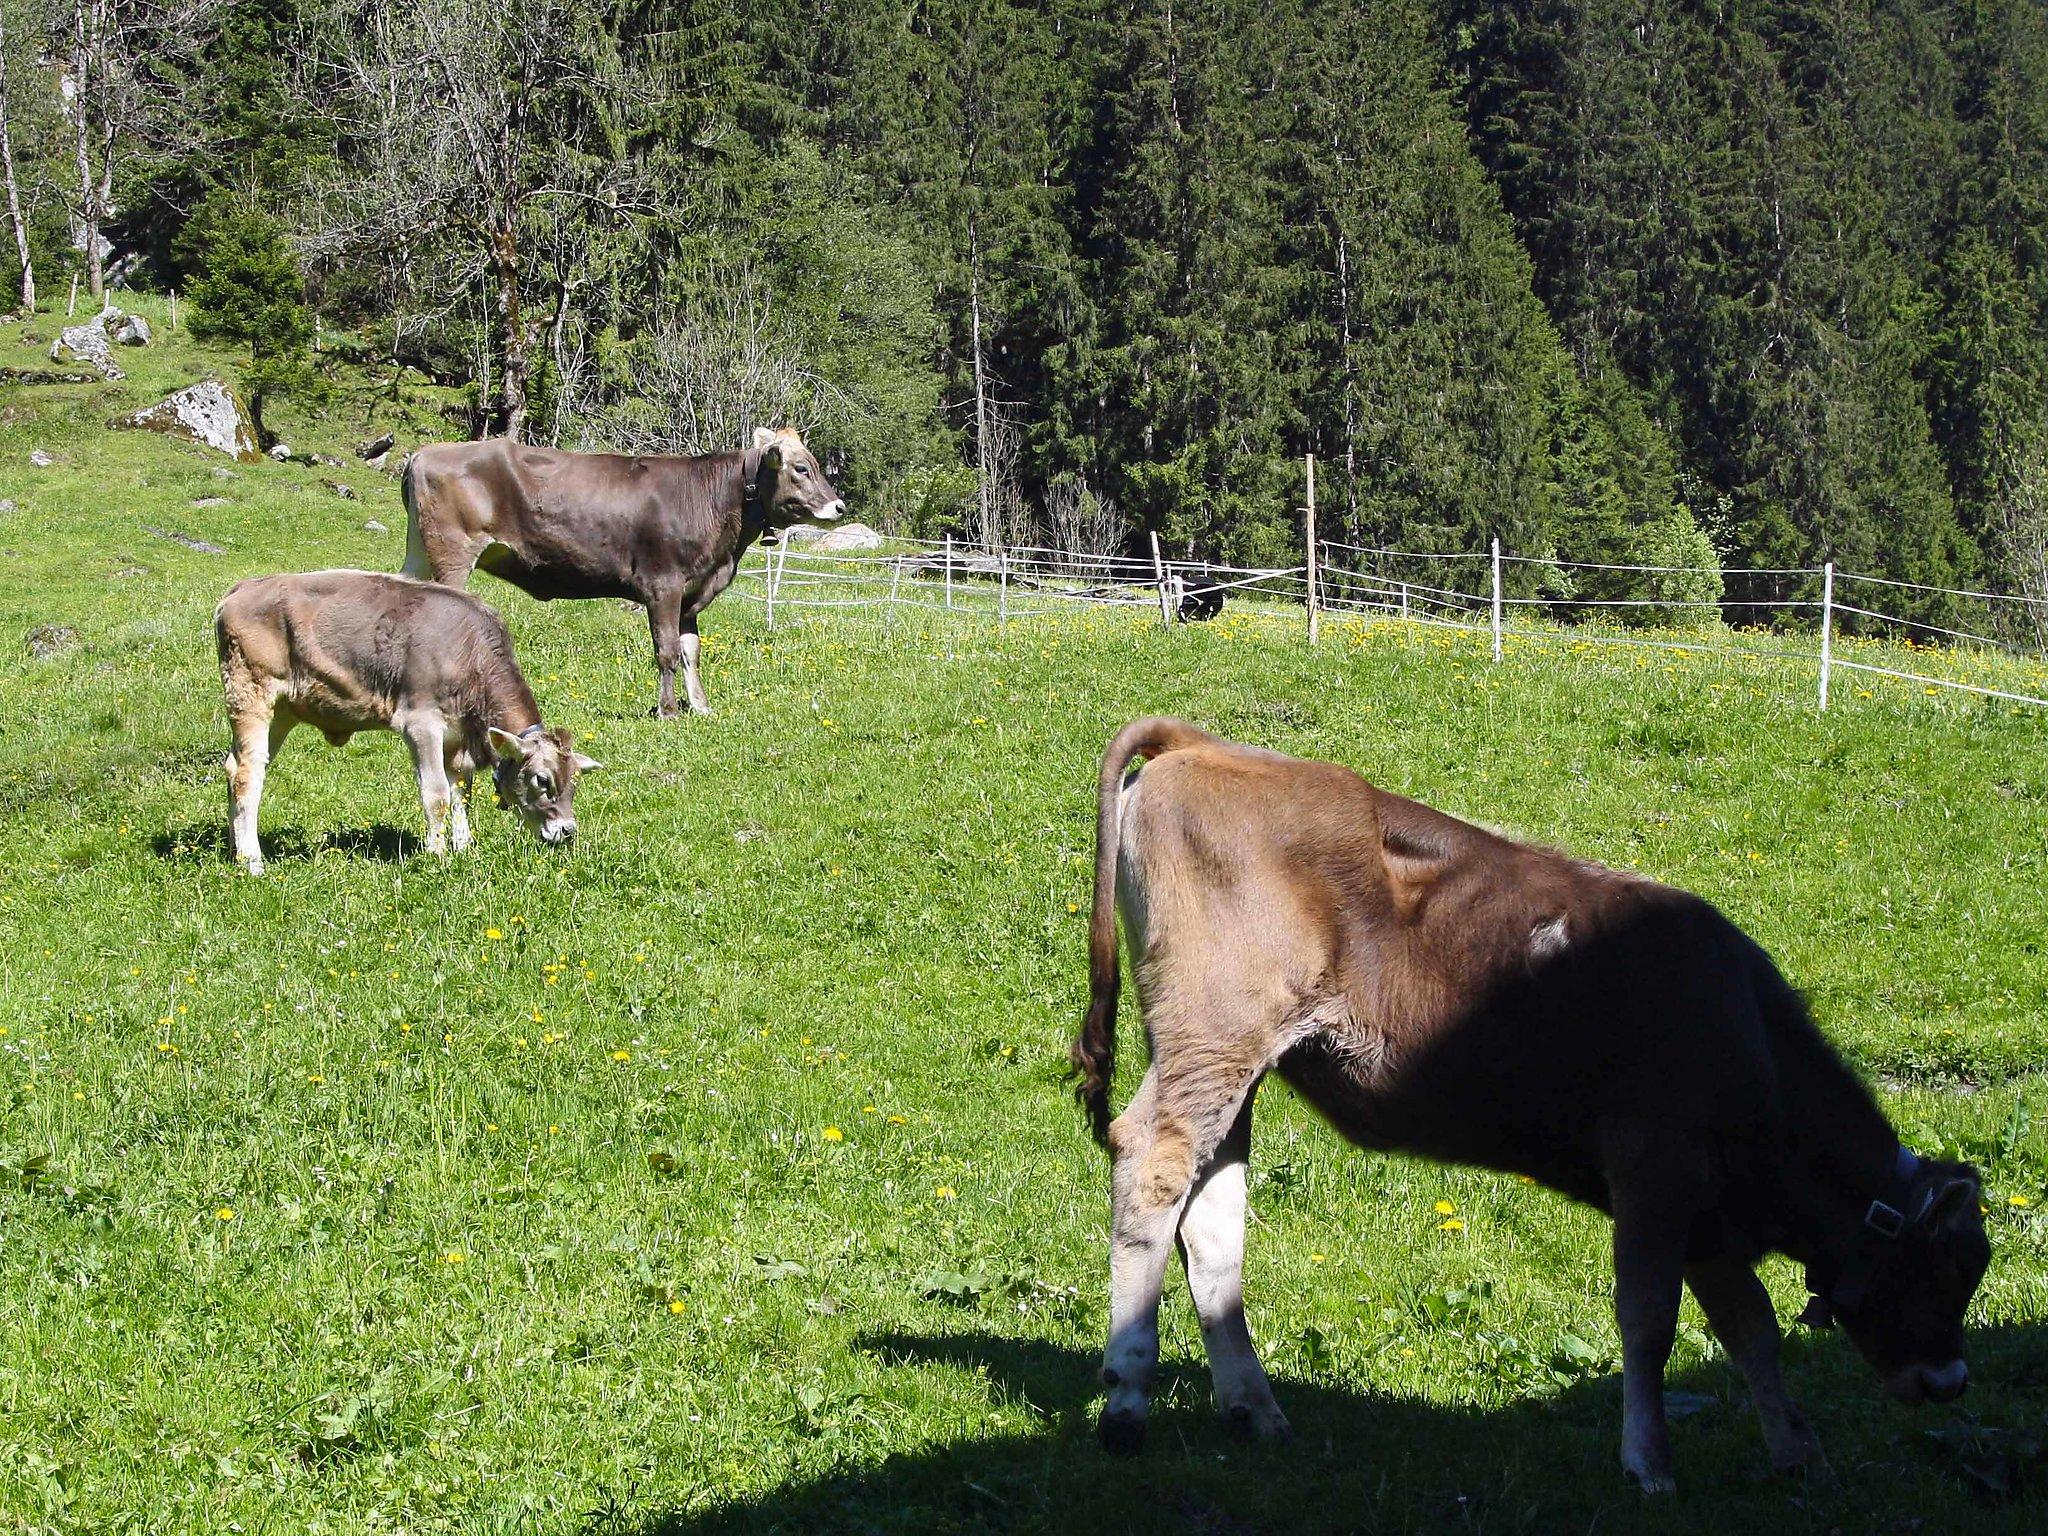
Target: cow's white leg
x=425 y=738
x=459 y=836
x=693 y=682
x=1145 y=1209
x=256 y=739
x=1212 y=1247
x=1739 y=1309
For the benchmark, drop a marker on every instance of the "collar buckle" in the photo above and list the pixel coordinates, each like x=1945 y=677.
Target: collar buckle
x=1887 y=1221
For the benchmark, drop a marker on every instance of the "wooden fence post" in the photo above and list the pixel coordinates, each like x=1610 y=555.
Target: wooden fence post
x=949 y=570
x=1002 y=588
x=1159 y=572
x=1315 y=604
x=774 y=572
x=1496 y=599
x=1827 y=628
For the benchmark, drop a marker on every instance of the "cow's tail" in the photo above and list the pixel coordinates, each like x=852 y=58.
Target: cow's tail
x=417 y=565
x=1093 y=1056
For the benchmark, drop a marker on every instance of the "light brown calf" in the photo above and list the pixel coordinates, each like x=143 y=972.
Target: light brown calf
x=1434 y=988
x=348 y=651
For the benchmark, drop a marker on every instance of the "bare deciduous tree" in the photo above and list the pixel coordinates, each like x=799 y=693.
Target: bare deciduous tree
x=460 y=116
x=704 y=380
x=14 y=214
x=1080 y=522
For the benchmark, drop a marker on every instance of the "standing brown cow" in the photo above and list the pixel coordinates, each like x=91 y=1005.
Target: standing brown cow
x=1434 y=988
x=348 y=651
x=661 y=531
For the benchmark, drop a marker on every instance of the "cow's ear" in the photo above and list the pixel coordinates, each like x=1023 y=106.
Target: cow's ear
x=1954 y=1203
x=509 y=747
x=584 y=764
x=763 y=437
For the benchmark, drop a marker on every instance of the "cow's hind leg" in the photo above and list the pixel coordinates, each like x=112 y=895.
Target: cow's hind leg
x=260 y=729
x=1159 y=1145
x=1212 y=1248
x=1739 y=1309
x=693 y=681
x=459 y=835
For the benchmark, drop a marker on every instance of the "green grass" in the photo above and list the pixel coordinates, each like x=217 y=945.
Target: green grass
x=536 y=1223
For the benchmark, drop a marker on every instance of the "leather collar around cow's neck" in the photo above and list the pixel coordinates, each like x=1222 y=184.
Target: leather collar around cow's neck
x=1839 y=1284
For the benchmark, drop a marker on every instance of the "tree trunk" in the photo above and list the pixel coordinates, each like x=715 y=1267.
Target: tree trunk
x=514 y=364
x=982 y=460
x=88 y=207
x=28 y=271
x=1350 y=390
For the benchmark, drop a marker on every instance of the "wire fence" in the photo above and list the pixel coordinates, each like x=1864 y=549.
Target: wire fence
x=1822 y=618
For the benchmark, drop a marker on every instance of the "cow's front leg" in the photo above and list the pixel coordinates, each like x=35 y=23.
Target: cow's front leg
x=1212 y=1248
x=459 y=836
x=1739 y=1310
x=693 y=682
x=664 y=624
x=1651 y=1216
x=425 y=738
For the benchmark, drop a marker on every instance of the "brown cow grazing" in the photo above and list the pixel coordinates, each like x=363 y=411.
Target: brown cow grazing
x=348 y=651
x=664 y=532
x=1432 y=987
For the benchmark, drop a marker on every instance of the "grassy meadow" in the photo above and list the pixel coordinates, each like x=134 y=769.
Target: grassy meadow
x=719 y=1176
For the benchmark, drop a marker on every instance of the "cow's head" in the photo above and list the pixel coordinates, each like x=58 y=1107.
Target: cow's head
x=1906 y=1284
x=789 y=482
x=535 y=775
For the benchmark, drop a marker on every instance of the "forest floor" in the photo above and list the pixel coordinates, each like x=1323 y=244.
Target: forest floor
x=719 y=1175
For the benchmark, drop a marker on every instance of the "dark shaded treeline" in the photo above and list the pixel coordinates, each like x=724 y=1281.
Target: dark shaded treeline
x=1613 y=279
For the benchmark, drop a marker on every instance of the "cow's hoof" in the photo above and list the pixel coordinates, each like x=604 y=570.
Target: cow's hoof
x=1241 y=1421
x=253 y=866
x=1653 y=1483
x=1121 y=1434
x=659 y=713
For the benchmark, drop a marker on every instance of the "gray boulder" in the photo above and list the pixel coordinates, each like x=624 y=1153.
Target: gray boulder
x=207 y=413
x=849 y=536
x=40 y=459
x=127 y=330
x=373 y=526
x=282 y=452
x=801 y=535
x=88 y=343
x=47 y=640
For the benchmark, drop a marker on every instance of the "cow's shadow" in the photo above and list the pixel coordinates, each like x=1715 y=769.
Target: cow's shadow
x=208 y=842
x=1365 y=1461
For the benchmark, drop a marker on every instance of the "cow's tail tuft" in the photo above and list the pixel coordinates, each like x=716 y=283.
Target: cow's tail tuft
x=1093 y=1055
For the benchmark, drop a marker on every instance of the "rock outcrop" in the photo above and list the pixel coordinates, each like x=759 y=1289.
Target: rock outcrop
x=207 y=413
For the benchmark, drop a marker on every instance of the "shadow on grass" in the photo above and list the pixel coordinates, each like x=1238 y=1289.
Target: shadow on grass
x=208 y=842
x=1371 y=1462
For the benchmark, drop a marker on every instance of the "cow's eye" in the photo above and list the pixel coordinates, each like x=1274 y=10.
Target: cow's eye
x=543 y=784
x=803 y=469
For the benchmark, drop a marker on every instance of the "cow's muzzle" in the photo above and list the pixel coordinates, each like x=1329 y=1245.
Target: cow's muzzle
x=831 y=512
x=1918 y=1384
x=558 y=832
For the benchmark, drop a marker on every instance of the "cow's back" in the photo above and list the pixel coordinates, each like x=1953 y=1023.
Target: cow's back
x=346 y=649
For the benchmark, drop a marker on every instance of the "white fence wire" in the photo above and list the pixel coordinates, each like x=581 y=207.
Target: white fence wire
x=1500 y=593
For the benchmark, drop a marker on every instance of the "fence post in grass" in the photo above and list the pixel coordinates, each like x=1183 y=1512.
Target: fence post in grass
x=895 y=579
x=174 y=309
x=773 y=572
x=949 y=570
x=1404 y=600
x=1315 y=601
x=72 y=308
x=1159 y=572
x=1827 y=628
x=1496 y=599
x=1002 y=588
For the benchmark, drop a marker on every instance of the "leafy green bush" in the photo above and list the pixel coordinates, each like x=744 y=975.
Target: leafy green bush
x=248 y=291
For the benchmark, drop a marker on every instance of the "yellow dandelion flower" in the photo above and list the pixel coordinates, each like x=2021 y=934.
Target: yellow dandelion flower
x=1455 y=1224
x=898 y=1120
x=946 y=1192
x=225 y=1213
x=1444 y=1207
x=2019 y=1201
x=453 y=1256
x=677 y=1306
x=622 y=1055
x=494 y=933
x=1317 y=1258
x=833 y=1133
x=869 y=1109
